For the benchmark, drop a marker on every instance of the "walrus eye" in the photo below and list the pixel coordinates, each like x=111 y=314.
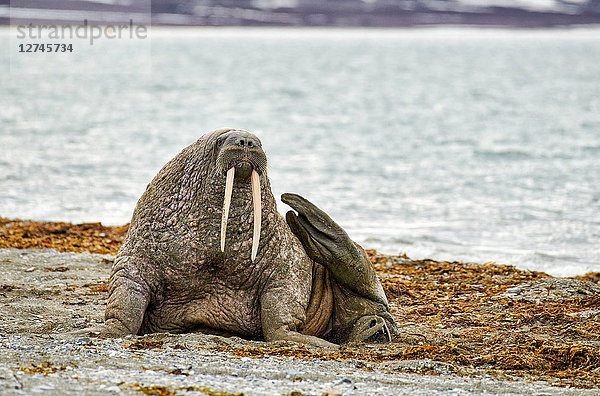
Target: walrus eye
x=220 y=141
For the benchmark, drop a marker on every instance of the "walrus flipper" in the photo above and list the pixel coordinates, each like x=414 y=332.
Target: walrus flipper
x=328 y=244
x=127 y=303
x=363 y=314
x=127 y=300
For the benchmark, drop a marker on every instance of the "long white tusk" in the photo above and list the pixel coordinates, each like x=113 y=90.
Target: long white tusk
x=226 y=204
x=257 y=212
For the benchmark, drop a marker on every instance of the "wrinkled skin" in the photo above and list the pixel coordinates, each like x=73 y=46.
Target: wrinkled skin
x=309 y=282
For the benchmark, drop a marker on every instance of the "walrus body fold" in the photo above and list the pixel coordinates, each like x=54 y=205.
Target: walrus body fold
x=202 y=255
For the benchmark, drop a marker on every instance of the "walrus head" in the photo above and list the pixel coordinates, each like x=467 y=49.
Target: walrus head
x=240 y=156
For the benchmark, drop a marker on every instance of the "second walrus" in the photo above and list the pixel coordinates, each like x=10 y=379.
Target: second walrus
x=207 y=251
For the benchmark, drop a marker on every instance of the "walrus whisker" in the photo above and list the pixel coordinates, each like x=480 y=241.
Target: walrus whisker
x=257 y=212
x=226 y=204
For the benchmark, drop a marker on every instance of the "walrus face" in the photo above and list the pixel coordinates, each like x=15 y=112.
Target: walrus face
x=241 y=157
x=241 y=150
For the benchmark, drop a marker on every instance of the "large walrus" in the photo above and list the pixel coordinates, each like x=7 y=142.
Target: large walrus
x=207 y=251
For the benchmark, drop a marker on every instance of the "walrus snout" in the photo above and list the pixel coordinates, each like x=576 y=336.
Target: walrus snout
x=243 y=151
x=372 y=328
x=244 y=161
x=241 y=157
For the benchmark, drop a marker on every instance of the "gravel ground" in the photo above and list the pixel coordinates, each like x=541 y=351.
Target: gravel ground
x=45 y=294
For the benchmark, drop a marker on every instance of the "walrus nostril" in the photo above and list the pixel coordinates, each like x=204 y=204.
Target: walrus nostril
x=246 y=141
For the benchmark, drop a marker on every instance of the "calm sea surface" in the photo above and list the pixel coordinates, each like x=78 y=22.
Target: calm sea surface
x=454 y=144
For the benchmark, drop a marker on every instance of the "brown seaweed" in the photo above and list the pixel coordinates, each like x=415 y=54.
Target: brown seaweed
x=452 y=312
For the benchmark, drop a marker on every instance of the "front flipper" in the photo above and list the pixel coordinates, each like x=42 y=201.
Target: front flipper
x=283 y=314
x=128 y=298
x=328 y=244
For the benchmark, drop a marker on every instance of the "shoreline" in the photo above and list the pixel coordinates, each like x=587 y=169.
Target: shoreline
x=102 y=239
x=240 y=13
x=62 y=236
x=462 y=320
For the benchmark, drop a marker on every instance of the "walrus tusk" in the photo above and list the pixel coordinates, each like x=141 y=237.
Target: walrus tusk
x=226 y=204
x=257 y=212
x=387 y=331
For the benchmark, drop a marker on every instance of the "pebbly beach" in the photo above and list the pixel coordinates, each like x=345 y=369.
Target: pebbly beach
x=465 y=328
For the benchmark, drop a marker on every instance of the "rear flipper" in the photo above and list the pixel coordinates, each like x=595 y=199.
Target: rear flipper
x=328 y=244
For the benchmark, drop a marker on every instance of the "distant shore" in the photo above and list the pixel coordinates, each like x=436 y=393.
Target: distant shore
x=348 y=14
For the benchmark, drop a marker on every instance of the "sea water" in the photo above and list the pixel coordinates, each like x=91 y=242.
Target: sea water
x=452 y=144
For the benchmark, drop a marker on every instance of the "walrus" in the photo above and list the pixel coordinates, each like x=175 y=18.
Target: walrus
x=208 y=251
